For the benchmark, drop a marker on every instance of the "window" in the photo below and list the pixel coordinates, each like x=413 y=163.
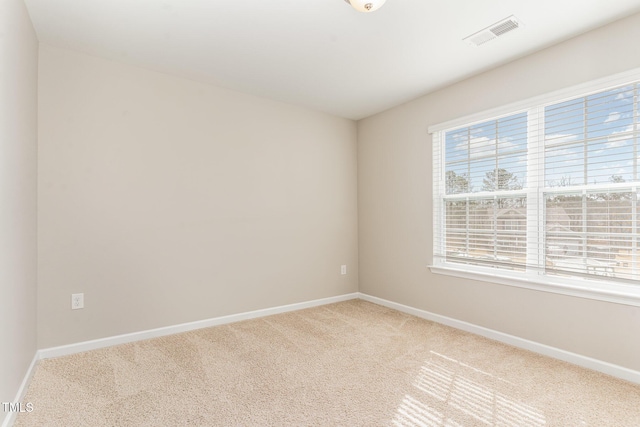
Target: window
x=485 y=198
x=548 y=193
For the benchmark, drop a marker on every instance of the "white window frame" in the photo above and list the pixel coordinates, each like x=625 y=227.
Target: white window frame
x=532 y=278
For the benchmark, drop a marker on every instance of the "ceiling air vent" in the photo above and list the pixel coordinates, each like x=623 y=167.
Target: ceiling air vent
x=494 y=31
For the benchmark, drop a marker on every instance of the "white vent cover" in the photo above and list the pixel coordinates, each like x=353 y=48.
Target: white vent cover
x=494 y=31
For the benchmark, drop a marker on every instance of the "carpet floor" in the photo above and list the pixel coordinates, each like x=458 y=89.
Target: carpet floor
x=352 y=363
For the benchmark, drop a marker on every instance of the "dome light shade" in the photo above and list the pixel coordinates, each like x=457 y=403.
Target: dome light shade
x=366 y=5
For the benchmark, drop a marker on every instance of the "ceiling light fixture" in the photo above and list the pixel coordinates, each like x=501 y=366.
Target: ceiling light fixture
x=366 y=5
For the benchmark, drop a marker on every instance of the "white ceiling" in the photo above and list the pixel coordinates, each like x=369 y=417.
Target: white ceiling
x=321 y=54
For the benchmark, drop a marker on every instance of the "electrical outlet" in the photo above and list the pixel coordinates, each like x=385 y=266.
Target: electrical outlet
x=77 y=301
x=343 y=269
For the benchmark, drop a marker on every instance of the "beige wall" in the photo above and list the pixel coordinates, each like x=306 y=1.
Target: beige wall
x=18 y=135
x=168 y=201
x=394 y=204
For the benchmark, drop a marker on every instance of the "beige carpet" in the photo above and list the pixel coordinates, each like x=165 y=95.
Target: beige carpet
x=346 y=364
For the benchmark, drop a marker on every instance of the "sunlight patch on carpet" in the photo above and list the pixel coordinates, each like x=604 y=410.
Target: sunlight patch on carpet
x=443 y=380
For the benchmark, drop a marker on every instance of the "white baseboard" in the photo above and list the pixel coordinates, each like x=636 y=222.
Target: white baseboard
x=64 y=350
x=576 y=359
x=10 y=417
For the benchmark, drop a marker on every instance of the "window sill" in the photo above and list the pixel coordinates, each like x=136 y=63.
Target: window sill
x=582 y=288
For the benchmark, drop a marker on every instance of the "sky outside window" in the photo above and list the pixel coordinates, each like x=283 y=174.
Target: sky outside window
x=590 y=140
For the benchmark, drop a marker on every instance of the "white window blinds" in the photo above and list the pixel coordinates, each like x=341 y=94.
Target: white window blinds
x=549 y=190
x=590 y=184
x=484 y=201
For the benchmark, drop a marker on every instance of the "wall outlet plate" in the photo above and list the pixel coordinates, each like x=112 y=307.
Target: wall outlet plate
x=77 y=301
